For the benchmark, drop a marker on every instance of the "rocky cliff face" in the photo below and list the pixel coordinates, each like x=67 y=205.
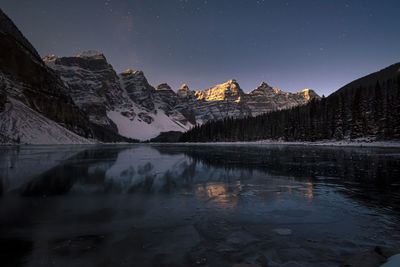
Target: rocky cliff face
x=93 y=85
x=27 y=80
x=124 y=104
x=138 y=88
x=221 y=101
x=229 y=91
x=266 y=98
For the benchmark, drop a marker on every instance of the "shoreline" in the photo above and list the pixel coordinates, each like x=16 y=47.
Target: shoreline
x=341 y=143
x=326 y=143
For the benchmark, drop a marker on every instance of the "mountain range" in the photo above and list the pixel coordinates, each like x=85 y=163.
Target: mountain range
x=81 y=99
x=367 y=109
x=126 y=103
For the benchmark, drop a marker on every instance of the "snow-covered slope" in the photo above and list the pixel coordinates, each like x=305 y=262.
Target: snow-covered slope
x=21 y=124
x=142 y=130
x=125 y=104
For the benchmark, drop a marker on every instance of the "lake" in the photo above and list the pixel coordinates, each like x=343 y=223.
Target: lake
x=196 y=205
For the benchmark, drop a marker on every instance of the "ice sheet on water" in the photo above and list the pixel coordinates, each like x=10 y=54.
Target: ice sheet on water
x=282 y=231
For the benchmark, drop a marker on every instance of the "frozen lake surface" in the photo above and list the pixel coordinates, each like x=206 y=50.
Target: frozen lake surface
x=188 y=205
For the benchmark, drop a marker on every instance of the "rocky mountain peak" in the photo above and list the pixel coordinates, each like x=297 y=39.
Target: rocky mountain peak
x=231 y=84
x=308 y=94
x=232 y=81
x=89 y=60
x=266 y=90
x=139 y=73
x=91 y=54
x=128 y=71
x=184 y=87
x=50 y=58
x=264 y=84
x=228 y=90
x=163 y=86
x=184 y=91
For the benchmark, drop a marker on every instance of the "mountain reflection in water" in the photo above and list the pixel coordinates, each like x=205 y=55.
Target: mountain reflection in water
x=178 y=205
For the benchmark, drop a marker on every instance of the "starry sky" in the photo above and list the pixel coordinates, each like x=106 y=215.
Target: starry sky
x=290 y=44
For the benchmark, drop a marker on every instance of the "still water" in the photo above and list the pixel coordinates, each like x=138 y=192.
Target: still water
x=196 y=205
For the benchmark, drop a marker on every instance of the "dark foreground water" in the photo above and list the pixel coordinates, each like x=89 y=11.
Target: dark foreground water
x=151 y=205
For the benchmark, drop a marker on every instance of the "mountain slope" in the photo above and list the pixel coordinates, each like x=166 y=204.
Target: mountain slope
x=24 y=77
x=23 y=125
x=366 y=108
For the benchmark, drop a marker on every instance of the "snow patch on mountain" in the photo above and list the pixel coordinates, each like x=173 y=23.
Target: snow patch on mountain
x=24 y=125
x=142 y=130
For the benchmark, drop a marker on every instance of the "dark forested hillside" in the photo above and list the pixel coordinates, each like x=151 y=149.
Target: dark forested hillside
x=367 y=107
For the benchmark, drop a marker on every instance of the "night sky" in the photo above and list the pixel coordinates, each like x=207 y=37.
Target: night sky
x=291 y=45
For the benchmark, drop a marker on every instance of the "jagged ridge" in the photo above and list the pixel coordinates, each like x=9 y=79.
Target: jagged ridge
x=128 y=98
